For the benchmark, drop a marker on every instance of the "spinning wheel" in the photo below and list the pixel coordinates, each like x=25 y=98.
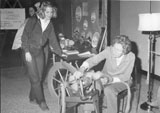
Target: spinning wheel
x=58 y=82
x=59 y=86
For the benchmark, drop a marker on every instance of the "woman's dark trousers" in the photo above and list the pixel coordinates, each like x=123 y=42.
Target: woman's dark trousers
x=35 y=71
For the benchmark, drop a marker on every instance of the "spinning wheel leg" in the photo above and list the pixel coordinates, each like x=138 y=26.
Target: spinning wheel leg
x=96 y=103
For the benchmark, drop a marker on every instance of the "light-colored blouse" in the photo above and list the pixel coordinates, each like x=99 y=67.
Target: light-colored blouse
x=122 y=71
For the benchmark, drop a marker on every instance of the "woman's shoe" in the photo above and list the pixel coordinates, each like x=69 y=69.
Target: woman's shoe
x=43 y=106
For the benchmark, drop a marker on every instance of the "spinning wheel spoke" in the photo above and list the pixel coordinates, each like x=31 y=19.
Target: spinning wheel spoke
x=57 y=89
x=67 y=92
x=57 y=80
x=67 y=73
x=60 y=75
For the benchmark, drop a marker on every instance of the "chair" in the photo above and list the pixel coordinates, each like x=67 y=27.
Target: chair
x=135 y=88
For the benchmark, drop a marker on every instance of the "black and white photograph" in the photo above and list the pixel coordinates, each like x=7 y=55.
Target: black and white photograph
x=80 y=56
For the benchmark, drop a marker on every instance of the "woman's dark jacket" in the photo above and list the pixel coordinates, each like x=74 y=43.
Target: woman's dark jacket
x=33 y=39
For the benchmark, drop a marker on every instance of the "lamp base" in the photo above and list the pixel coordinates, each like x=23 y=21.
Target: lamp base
x=145 y=106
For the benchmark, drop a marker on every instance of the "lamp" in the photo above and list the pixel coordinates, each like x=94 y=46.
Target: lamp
x=149 y=23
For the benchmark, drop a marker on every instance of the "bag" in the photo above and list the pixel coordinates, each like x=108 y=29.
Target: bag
x=17 y=40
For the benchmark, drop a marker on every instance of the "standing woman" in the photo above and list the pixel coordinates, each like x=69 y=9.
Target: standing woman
x=39 y=33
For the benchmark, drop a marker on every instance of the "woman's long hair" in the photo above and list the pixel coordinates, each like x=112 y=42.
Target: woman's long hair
x=42 y=8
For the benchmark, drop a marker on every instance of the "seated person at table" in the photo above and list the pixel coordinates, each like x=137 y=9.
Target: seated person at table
x=118 y=65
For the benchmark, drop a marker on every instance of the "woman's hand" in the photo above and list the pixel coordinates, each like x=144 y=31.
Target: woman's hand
x=97 y=75
x=77 y=74
x=28 y=56
x=94 y=75
x=104 y=81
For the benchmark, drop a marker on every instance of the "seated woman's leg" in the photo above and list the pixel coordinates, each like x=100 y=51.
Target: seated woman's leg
x=110 y=96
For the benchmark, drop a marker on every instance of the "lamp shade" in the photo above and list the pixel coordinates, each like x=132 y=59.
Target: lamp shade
x=149 y=22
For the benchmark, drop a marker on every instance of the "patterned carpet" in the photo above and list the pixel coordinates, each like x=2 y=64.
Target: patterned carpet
x=15 y=88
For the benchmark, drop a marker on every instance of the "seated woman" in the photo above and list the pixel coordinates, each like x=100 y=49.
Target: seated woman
x=118 y=65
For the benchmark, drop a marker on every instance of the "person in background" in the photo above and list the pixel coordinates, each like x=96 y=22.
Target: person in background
x=32 y=11
x=119 y=63
x=39 y=33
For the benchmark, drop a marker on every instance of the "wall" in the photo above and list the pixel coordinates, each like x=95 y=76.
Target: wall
x=114 y=19
x=67 y=18
x=129 y=11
